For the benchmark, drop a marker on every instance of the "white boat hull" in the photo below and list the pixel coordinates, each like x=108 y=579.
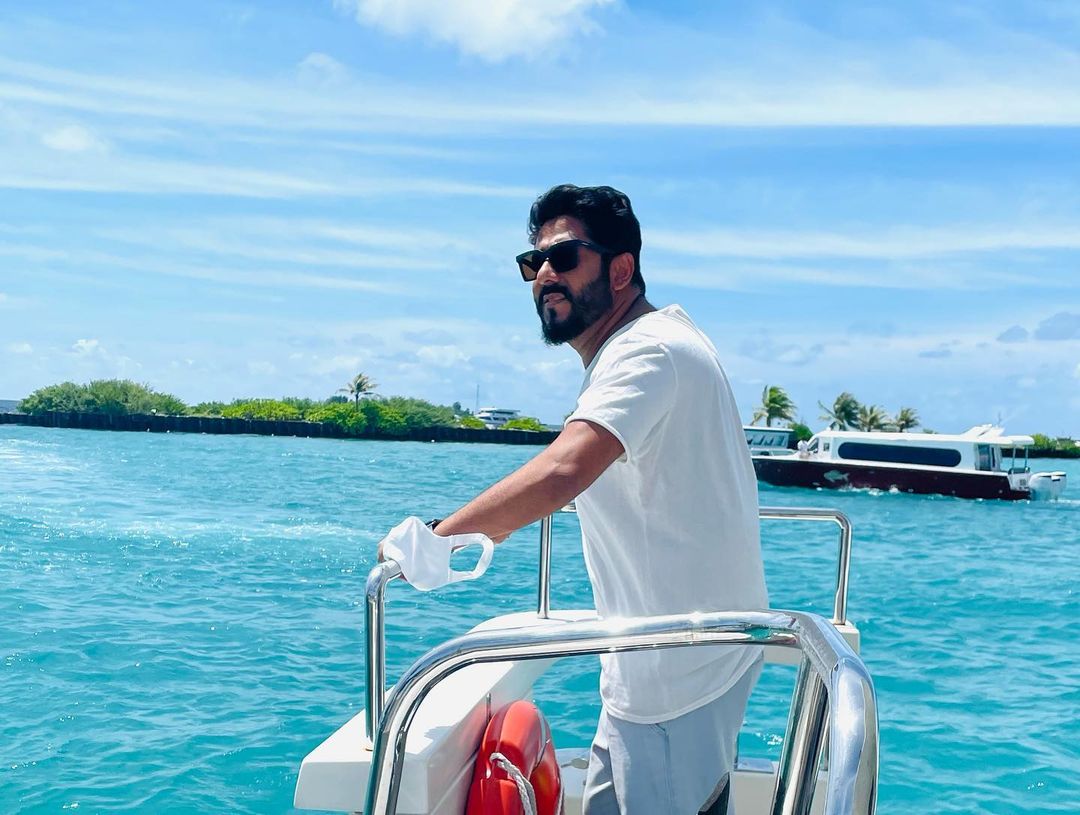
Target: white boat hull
x=441 y=744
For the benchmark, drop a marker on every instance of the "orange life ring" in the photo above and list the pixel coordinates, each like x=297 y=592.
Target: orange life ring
x=517 y=733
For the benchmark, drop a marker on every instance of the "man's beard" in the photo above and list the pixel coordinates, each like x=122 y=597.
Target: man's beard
x=588 y=306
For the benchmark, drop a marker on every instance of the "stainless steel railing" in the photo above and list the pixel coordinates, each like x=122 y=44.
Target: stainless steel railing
x=833 y=690
x=843 y=558
x=543 y=604
x=387 y=571
x=375 y=634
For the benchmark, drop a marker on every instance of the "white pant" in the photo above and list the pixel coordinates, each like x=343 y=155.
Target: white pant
x=675 y=767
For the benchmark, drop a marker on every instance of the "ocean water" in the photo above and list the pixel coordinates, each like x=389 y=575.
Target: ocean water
x=181 y=620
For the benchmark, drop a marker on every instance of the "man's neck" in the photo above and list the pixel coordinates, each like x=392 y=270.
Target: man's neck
x=630 y=303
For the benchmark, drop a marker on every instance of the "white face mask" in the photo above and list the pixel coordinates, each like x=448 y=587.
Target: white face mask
x=424 y=557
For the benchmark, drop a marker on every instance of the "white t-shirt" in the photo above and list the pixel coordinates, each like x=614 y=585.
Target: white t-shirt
x=672 y=526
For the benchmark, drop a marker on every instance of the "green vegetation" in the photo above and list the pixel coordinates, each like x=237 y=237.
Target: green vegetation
x=358 y=412
x=905 y=419
x=801 y=432
x=1061 y=447
x=112 y=397
x=775 y=404
x=847 y=413
x=358 y=387
x=343 y=415
x=524 y=423
x=383 y=418
x=265 y=409
x=871 y=418
x=207 y=409
x=418 y=413
x=844 y=413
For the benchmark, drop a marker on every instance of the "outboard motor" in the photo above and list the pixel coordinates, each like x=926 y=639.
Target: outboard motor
x=1047 y=486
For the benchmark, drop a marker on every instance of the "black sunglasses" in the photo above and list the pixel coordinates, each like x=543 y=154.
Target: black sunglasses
x=563 y=257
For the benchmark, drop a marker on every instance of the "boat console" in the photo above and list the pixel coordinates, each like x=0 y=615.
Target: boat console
x=413 y=750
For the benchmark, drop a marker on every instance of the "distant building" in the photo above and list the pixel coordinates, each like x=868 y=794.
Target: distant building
x=494 y=418
x=9 y=405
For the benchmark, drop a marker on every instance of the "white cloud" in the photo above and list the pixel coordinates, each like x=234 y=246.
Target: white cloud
x=897 y=242
x=88 y=347
x=441 y=356
x=218 y=273
x=95 y=360
x=270 y=249
x=73 y=139
x=722 y=92
x=20 y=348
x=336 y=364
x=321 y=69
x=765 y=349
x=129 y=174
x=490 y=30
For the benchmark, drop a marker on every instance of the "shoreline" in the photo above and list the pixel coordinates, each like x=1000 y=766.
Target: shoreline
x=217 y=425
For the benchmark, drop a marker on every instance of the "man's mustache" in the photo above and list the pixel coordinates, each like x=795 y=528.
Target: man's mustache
x=553 y=288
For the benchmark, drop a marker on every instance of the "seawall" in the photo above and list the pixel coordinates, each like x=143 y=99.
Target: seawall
x=262 y=427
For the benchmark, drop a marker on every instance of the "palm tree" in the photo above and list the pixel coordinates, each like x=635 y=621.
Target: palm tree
x=775 y=404
x=906 y=418
x=844 y=413
x=872 y=417
x=359 y=386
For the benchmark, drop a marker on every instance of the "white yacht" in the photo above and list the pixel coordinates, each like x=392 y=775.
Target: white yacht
x=414 y=749
x=768 y=441
x=494 y=418
x=980 y=463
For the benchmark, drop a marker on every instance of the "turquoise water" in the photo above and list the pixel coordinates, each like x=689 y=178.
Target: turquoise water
x=182 y=620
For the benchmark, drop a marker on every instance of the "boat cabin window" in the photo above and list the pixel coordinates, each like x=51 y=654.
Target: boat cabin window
x=825 y=447
x=899 y=454
x=813 y=446
x=984 y=457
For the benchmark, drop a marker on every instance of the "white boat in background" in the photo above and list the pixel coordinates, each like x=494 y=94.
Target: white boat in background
x=494 y=418
x=767 y=441
x=980 y=463
x=413 y=749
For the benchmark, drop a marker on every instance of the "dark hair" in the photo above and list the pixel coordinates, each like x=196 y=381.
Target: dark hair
x=606 y=213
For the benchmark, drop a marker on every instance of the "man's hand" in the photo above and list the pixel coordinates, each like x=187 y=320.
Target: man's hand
x=381 y=556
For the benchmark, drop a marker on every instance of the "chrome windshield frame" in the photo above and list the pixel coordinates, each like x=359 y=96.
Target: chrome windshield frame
x=833 y=691
x=386 y=571
x=843 y=566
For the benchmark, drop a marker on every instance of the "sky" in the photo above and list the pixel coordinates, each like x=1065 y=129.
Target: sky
x=228 y=200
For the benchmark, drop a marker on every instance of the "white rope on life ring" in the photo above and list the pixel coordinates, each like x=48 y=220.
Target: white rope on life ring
x=524 y=788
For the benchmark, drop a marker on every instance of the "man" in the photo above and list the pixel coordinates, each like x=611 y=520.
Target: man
x=667 y=499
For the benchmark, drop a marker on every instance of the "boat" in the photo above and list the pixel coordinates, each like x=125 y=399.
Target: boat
x=494 y=418
x=413 y=749
x=768 y=441
x=983 y=462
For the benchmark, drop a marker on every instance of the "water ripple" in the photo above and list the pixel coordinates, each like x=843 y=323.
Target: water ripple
x=182 y=620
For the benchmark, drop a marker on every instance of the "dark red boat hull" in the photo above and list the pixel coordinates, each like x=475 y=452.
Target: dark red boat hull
x=785 y=471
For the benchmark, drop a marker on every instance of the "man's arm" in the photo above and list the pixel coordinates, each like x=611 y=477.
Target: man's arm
x=577 y=457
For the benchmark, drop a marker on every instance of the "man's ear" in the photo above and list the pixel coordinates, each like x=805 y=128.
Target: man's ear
x=621 y=271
